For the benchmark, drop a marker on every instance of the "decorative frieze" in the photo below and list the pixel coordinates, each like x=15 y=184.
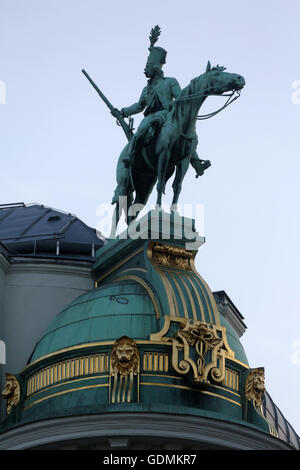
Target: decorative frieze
x=66 y=370
x=155 y=362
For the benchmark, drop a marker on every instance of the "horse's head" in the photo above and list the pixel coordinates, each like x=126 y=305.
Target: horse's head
x=220 y=81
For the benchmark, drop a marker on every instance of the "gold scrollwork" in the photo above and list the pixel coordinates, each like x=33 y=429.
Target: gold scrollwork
x=124 y=365
x=202 y=338
x=11 y=392
x=172 y=256
x=197 y=347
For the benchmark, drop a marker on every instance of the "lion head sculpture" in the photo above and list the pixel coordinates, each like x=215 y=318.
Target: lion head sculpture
x=124 y=357
x=11 y=392
x=255 y=386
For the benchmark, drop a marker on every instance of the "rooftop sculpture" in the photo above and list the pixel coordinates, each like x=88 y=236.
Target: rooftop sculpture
x=165 y=142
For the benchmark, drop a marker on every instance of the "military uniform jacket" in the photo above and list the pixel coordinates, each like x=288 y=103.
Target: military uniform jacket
x=156 y=96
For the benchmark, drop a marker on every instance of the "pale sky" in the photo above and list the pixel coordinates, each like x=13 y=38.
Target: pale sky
x=59 y=145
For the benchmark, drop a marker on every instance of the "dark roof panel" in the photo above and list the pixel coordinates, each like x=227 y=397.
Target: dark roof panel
x=283 y=428
x=37 y=230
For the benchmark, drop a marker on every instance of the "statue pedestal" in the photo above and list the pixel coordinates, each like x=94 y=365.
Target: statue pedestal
x=153 y=227
x=160 y=225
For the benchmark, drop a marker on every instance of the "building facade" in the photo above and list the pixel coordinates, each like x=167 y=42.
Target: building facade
x=121 y=344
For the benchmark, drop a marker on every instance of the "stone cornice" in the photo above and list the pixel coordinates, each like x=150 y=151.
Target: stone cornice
x=83 y=271
x=196 y=431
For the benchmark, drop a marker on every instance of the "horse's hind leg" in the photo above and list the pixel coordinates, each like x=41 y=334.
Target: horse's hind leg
x=135 y=208
x=181 y=169
x=163 y=161
x=114 y=222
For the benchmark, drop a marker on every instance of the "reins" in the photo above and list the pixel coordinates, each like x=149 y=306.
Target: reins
x=209 y=115
x=228 y=102
x=200 y=95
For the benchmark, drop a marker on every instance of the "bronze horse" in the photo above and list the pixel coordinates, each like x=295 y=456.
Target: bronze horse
x=171 y=147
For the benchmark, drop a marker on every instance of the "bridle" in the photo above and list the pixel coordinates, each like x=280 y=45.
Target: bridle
x=201 y=95
x=228 y=102
x=231 y=99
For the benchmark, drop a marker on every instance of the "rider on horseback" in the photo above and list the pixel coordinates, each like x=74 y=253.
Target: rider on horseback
x=156 y=99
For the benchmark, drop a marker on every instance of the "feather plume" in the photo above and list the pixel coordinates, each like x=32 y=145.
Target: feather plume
x=154 y=35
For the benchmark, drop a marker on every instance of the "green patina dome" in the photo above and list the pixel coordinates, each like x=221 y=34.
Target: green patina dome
x=107 y=313
x=149 y=292
x=95 y=320
x=103 y=314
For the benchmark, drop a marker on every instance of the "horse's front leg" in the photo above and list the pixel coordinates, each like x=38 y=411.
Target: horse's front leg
x=181 y=169
x=161 y=177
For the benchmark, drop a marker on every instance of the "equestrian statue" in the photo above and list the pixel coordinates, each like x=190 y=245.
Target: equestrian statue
x=165 y=141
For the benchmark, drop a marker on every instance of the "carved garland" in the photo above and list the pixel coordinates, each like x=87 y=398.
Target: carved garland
x=172 y=256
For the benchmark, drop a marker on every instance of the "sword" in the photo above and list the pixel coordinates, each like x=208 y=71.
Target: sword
x=120 y=120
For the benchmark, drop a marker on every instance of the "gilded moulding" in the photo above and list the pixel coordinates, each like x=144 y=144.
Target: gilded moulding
x=64 y=392
x=191 y=389
x=97 y=344
x=177 y=264
x=199 y=279
x=117 y=266
x=78 y=347
x=11 y=392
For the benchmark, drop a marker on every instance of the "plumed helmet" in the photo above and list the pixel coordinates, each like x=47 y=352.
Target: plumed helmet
x=157 y=55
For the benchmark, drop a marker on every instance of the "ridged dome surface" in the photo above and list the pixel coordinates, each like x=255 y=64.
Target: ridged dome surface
x=108 y=312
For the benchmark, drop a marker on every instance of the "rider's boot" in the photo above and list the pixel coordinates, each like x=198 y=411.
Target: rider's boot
x=200 y=165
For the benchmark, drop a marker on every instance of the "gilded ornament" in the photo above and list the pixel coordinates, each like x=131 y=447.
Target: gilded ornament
x=197 y=347
x=172 y=256
x=11 y=392
x=255 y=386
x=203 y=338
x=125 y=364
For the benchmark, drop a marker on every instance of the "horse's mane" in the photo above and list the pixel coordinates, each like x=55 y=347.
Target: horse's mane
x=192 y=87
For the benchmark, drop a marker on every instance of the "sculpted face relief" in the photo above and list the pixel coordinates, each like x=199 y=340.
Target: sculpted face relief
x=124 y=357
x=11 y=392
x=124 y=365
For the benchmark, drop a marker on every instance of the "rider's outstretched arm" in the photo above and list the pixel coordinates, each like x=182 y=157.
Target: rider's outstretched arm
x=137 y=107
